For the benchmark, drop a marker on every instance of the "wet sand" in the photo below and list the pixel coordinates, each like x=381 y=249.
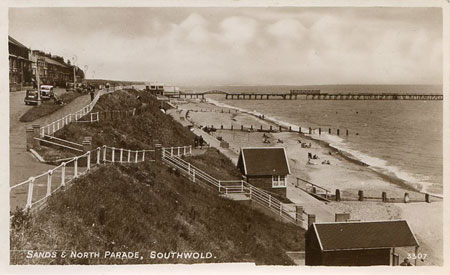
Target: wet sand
x=343 y=173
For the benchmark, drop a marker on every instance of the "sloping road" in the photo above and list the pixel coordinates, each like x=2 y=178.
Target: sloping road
x=22 y=163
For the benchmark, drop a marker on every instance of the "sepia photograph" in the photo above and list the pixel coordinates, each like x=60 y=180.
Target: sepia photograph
x=269 y=135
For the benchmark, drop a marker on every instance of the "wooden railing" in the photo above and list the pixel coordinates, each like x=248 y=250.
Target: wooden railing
x=263 y=198
x=57 y=125
x=66 y=172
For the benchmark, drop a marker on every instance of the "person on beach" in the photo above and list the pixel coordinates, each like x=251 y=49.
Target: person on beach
x=309 y=155
x=92 y=94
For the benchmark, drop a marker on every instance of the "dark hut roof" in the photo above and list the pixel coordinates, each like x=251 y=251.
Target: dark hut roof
x=264 y=161
x=364 y=235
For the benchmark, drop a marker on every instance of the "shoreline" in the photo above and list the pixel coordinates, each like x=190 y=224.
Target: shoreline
x=348 y=174
x=392 y=178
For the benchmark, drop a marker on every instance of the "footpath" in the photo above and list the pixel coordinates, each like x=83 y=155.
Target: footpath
x=22 y=163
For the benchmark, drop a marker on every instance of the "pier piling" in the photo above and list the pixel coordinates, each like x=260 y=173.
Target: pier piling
x=337 y=131
x=320 y=131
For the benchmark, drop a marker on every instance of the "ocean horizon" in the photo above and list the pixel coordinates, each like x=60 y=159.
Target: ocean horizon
x=400 y=139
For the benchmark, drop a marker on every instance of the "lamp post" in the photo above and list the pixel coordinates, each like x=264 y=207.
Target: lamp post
x=74 y=61
x=35 y=61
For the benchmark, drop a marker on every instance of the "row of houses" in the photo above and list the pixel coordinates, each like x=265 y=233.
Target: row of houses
x=52 y=69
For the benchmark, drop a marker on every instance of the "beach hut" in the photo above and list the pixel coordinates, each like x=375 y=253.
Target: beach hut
x=265 y=167
x=357 y=243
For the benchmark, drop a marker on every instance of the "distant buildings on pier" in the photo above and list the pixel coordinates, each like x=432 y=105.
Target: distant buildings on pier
x=52 y=69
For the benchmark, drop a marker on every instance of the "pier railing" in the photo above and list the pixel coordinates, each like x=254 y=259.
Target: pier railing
x=288 y=212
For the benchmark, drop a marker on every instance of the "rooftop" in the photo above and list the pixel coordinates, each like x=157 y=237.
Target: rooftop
x=364 y=235
x=264 y=161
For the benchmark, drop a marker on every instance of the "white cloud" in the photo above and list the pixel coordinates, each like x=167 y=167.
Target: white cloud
x=287 y=29
x=238 y=31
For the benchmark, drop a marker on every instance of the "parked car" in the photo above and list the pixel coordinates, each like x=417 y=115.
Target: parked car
x=31 y=97
x=70 y=87
x=46 y=92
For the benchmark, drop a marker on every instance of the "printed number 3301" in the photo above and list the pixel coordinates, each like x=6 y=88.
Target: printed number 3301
x=419 y=256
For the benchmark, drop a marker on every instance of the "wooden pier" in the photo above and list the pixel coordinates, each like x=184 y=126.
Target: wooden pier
x=314 y=95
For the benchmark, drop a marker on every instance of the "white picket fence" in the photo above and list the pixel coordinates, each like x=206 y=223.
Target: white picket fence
x=38 y=188
x=263 y=198
x=57 y=125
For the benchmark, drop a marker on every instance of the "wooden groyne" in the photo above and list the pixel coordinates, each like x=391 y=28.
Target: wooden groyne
x=314 y=95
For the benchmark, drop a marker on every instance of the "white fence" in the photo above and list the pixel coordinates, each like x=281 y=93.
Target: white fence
x=36 y=190
x=57 y=125
x=263 y=198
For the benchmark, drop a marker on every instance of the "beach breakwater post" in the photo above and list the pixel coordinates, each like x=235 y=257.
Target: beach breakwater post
x=310 y=130
x=329 y=131
x=361 y=195
x=320 y=131
x=337 y=131
x=384 y=196
x=338 y=195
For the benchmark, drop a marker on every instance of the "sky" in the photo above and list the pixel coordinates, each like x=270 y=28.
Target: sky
x=241 y=46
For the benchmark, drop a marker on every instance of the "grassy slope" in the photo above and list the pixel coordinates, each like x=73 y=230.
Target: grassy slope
x=150 y=208
x=136 y=132
x=47 y=107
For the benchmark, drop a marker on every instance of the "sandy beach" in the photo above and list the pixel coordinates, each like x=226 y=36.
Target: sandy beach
x=342 y=173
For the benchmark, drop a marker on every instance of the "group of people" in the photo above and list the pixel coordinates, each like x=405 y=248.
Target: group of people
x=198 y=141
x=304 y=145
x=311 y=156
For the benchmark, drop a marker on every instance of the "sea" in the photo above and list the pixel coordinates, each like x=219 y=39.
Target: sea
x=401 y=139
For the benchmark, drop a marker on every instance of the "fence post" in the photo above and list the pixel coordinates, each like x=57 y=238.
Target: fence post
x=270 y=201
x=190 y=149
x=112 y=158
x=129 y=156
x=104 y=153
x=159 y=152
x=219 y=186
x=136 y=158
x=281 y=209
x=171 y=151
x=30 y=138
x=189 y=171
x=298 y=213
x=184 y=150
x=75 y=168
x=121 y=154
x=250 y=193
x=193 y=175
x=49 y=182
x=242 y=186
x=311 y=219
x=88 y=165
x=30 y=193
x=98 y=155
x=143 y=155
x=63 y=174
